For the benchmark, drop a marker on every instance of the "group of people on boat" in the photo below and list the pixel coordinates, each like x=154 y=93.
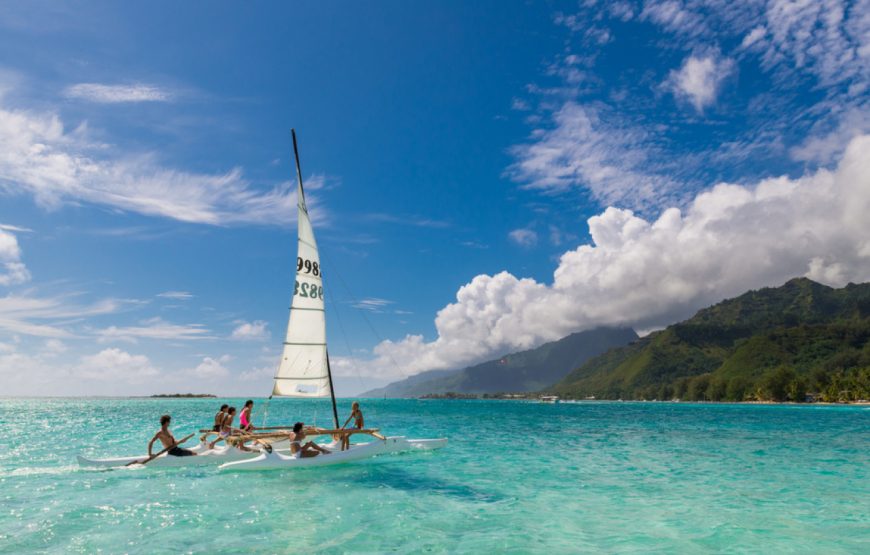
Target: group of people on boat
x=223 y=422
x=223 y=427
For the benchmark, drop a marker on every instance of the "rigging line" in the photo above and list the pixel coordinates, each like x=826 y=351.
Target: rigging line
x=346 y=341
x=256 y=413
x=344 y=336
x=304 y=242
x=365 y=318
x=266 y=411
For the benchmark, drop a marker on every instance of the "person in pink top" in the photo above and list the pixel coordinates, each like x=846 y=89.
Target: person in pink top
x=245 y=421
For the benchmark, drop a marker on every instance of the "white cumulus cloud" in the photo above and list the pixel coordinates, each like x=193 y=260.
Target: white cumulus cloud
x=247 y=331
x=113 y=364
x=699 y=79
x=108 y=372
x=648 y=274
x=14 y=271
x=212 y=367
x=258 y=374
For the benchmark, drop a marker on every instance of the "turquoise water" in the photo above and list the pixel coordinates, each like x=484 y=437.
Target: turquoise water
x=516 y=477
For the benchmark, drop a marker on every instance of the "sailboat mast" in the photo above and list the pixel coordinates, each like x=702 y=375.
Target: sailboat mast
x=332 y=393
x=301 y=202
x=298 y=167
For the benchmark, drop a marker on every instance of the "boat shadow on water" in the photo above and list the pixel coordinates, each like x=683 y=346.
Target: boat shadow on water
x=389 y=476
x=380 y=472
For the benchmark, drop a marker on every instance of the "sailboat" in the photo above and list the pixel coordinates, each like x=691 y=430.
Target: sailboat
x=303 y=372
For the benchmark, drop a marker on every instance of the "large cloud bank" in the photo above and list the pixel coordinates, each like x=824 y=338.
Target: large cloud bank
x=649 y=274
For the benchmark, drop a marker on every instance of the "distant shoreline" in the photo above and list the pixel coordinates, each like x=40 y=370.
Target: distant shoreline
x=183 y=396
x=473 y=397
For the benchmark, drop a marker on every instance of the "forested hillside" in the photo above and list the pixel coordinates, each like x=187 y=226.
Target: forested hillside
x=772 y=344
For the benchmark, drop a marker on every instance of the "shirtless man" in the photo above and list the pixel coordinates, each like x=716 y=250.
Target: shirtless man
x=219 y=418
x=306 y=450
x=168 y=440
x=358 y=422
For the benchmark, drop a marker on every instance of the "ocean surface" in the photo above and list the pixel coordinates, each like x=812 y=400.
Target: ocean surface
x=517 y=477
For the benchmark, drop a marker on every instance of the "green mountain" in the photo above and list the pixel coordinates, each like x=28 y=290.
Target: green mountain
x=518 y=372
x=410 y=385
x=771 y=344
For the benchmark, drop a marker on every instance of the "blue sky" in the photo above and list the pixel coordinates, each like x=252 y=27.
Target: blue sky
x=484 y=177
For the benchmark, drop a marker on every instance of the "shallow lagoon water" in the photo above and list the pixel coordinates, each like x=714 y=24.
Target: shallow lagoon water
x=516 y=477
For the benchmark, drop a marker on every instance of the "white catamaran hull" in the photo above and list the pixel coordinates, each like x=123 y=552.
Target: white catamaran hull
x=276 y=460
x=204 y=456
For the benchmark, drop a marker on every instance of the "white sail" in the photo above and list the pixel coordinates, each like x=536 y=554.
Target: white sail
x=303 y=371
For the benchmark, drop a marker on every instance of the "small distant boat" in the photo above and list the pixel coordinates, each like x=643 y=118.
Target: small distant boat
x=549 y=398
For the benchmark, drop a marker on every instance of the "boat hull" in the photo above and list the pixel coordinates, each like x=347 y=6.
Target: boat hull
x=204 y=456
x=277 y=460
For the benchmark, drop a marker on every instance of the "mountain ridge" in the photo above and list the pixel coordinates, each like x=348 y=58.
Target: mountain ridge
x=528 y=370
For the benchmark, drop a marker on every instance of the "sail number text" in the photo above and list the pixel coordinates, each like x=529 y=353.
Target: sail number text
x=307 y=266
x=308 y=290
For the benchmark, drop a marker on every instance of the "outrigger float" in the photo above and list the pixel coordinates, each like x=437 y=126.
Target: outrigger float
x=304 y=372
x=205 y=456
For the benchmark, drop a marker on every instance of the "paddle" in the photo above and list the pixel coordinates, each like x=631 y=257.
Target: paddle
x=152 y=457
